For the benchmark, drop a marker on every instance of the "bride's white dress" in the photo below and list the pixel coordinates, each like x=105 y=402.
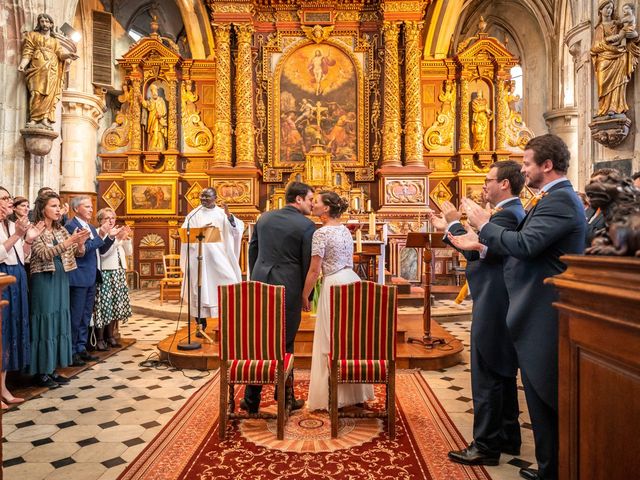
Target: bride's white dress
x=334 y=245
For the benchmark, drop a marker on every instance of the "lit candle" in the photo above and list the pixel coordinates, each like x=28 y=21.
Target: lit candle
x=372 y=224
x=358 y=241
x=267 y=206
x=280 y=202
x=368 y=205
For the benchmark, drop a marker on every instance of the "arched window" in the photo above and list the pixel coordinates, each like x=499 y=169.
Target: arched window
x=516 y=76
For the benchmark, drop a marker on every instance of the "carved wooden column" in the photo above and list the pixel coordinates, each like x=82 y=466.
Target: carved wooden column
x=133 y=162
x=391 y=112
x=464 y=114
x=245 y=151
x=171 y=155
x=222 y=138
x=413 y=102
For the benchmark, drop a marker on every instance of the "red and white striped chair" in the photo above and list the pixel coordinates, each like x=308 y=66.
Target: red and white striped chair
x=252 y=345
x=364 y=319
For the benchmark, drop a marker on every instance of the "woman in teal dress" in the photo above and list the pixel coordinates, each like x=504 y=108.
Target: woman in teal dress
x=52 y=256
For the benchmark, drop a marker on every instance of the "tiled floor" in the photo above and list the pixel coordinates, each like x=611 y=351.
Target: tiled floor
x=93 y=427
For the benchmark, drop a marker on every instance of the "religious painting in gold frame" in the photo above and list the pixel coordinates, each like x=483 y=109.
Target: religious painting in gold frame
x=317 y=95
x=151 y=197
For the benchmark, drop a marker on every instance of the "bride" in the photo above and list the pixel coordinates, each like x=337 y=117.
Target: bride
x=331 y=252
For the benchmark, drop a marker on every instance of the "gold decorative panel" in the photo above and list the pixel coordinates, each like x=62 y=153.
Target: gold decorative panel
x=114 y=196
x=238 y=191
x=441 y=193
x=193 y=195
x=405 y=191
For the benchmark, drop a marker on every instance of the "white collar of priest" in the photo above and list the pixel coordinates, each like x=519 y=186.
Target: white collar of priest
x=548 y=186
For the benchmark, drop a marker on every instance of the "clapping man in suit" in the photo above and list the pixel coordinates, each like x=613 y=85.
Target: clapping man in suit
x=280 y=254
x=494 y=365
x=82 y=281
x=554 y=226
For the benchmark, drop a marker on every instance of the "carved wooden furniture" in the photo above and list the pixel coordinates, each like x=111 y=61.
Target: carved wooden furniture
x=252 y=345
x=364 y=318
x=599 y=367
x=172 y=280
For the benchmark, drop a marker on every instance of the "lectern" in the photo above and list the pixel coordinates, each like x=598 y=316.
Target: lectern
x=188 y=235
x=425 y=241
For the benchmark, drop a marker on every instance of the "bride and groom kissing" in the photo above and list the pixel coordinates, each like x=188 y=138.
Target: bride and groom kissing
x=286 y=249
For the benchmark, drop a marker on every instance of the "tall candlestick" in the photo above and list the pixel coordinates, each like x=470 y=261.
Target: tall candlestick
x=368 y=205
x=358 y=241
x=372 y=224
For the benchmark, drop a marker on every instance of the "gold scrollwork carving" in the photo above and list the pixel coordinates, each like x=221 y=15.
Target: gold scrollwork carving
x=152 y=240
x=401 y=7
x=119 y=133
x=464 y=114
x=222 y=134
x=233 y=191
x=196 y=133
x=516 y=131
x=401 y=191
x=439 y=136
x=245 y=153
x=413 y=102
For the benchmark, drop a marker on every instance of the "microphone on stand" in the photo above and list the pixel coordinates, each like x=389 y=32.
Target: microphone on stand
x=189 y=345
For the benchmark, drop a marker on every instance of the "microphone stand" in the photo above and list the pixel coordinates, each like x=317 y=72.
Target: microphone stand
x=189 y=345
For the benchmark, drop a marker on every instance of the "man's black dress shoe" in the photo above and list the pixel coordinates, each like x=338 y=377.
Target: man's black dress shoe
x=245 y=406
x=56 y=377
x=77 y=361
x=529 y=473
x=87 y=357
x=45 y=381
x=472 y=456
x=296 y=404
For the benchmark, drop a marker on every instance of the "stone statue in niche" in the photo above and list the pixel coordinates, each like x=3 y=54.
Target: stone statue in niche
x=43 y=62
x=614 y=55
x=480 y=126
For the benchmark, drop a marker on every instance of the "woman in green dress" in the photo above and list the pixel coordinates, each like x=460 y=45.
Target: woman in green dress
x=52 y=256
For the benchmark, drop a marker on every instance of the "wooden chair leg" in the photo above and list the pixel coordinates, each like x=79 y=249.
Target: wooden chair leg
x=281 y=400
x=222 y=427
x=391 y=402
x=161 y=292
x=232 y=398
x=333 y=401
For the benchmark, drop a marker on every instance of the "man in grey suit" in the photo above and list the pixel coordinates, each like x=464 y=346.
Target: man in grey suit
x=494 y=365
x=280 y=254
x=554 y=226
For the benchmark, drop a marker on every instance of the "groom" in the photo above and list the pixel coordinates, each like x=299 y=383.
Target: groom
x=279 y=254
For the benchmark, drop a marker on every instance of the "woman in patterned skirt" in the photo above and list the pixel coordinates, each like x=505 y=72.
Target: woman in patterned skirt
x=52 y=256
x=112 y=296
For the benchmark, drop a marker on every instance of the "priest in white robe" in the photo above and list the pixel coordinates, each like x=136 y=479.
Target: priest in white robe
x=220 y=265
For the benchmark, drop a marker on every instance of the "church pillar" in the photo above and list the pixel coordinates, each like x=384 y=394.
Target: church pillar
x=563 y=122
x=413 y=102
x=391 y=112
x=222 y=136
x=464 y=114
x=245 y=154
x=502 y=112
x=81 y=113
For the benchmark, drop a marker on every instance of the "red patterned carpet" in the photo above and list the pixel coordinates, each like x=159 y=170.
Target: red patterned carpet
x=188 y=447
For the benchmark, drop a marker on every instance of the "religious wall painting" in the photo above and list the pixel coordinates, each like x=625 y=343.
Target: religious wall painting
x=151 y=197
x=318 y=104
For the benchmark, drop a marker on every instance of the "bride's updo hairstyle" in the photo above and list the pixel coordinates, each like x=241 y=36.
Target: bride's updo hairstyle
x=337 y=204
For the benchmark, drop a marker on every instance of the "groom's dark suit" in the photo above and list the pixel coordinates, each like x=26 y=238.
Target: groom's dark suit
x=554 y=227
x=494 y=364
x=280 y=254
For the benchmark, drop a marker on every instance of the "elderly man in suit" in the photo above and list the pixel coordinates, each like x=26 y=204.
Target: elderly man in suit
x=494 y=365
x=82 y=281
x=280 y=254
x=554 y=226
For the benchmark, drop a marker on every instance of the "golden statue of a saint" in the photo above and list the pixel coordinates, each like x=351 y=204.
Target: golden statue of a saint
x=480 y=127
x=614 y=54
x=43 y=63
x=156 y=120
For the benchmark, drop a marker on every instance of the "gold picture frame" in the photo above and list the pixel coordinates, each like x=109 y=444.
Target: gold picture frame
x=151 y=197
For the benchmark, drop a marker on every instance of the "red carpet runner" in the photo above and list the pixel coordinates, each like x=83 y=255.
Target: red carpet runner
x=188 y=447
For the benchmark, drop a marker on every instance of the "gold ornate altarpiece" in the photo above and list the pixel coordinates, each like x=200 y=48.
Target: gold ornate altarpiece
x=336 y=94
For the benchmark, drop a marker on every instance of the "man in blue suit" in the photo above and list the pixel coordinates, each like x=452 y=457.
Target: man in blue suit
x=554 y=226
x=494 y=365
x=82 y=281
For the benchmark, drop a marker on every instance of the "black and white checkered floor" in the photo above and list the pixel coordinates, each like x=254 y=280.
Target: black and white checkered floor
x=97 y=424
